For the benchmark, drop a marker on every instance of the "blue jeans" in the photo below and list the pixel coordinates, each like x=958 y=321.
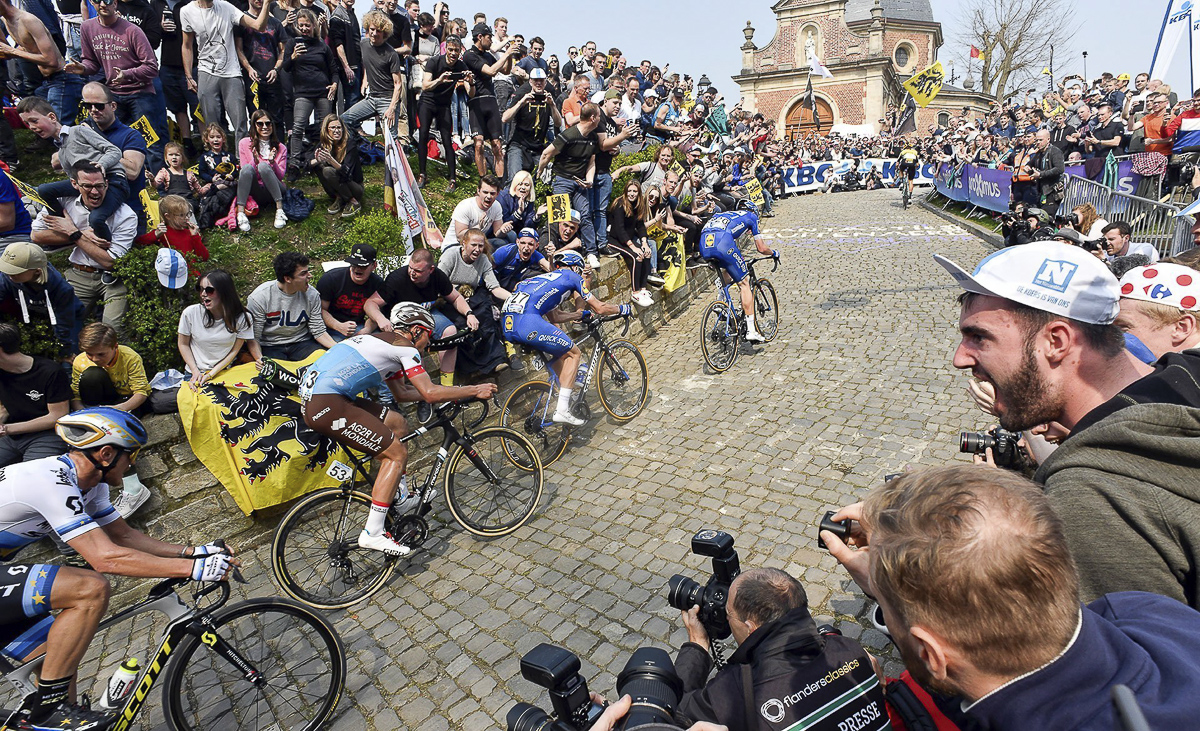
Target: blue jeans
x=461 y=125
x=601 y=192
x=581 y=200
x=152 y=105
x=516 y=159
x=64 y=92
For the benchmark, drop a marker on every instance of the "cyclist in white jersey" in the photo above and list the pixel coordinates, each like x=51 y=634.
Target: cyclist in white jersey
x=68 y=496
x=333 y=405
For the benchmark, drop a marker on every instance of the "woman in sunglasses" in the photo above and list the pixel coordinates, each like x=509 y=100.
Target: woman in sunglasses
x=212 y=332
x=264 y=163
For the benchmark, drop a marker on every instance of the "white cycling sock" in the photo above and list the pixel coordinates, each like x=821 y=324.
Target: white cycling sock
x=564 y=400
x=375 y=517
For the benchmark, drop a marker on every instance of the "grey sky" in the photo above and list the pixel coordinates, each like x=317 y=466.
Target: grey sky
x=704 y=36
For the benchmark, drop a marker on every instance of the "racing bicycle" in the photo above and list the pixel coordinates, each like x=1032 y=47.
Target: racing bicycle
x=492 y=479
x=723 y=326
x=905 y=193
x=263 y=663
x=622 y=381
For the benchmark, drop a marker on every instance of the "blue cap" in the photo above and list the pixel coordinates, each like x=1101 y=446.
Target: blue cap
x=171 y=268
x=528 y=233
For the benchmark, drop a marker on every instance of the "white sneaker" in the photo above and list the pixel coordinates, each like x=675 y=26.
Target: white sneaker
x=655 y=278
x=281 y=218
x=753 y=336
x=382 y=542
x=407 y=505
x=128 y=502
x=562 y=417
x=642 y=298
x=593 y=261
x=243 y=222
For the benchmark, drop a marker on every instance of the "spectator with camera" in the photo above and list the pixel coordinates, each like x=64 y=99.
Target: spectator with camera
x=1048 y=168
x=530 y=116
x=1037 y=325
x=1117 y=243
x=973 y=571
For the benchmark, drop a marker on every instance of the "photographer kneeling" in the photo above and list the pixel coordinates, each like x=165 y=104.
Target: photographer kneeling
x=783 y=670
x=980 y=594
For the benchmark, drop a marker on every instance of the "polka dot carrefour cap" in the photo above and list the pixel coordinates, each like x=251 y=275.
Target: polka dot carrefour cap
x=1172 y=285
x=1046 y=275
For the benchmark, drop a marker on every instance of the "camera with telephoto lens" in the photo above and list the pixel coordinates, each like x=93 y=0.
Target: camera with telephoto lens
x=683 y=593
x=1003 y=444
x=649 y=679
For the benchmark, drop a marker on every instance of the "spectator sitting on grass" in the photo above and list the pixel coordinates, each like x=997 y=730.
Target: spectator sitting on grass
x=213 y=331
x=106 y=373
x=175 y=178
x=518 y=207
x=345 y=290
x=339 y=168
x=264 y=166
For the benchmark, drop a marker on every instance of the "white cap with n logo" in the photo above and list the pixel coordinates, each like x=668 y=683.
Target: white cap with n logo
x=1046 y=275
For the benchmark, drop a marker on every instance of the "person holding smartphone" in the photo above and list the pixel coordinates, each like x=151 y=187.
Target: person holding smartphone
x=443 y=74
x=530 y=119
x=312 y=66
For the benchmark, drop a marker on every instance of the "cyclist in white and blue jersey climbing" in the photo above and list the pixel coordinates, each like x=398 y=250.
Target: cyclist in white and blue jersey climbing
x=67 y=495
x=331 y=396
x=718 y=243
x=530 y=314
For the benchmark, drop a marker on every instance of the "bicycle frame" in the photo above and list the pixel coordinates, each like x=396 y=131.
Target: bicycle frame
x=183 y=620
x=599 y=347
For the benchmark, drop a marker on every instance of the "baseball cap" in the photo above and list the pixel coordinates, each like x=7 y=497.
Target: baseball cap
x=1123 y=77
x=361 y=255
x=21 y=257
x=1163 y=284
x=537 y=73
x=575 y=216
x=651 y=93
x=481 y=29
x=1050 y=276
x=597 y=97
x=677 y=93
x=171 y=268
x=612 y=94
x=528 y=233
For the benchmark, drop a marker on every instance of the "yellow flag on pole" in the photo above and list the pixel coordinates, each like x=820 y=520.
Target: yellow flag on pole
x=926 y=83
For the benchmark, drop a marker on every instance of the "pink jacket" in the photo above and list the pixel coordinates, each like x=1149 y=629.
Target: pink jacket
x=247 y=157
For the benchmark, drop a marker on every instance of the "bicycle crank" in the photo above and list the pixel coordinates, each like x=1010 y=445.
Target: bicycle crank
x=581 y=410
x=411 y=531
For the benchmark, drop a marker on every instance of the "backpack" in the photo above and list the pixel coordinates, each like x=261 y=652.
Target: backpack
x=371 y=153
x=296 y=205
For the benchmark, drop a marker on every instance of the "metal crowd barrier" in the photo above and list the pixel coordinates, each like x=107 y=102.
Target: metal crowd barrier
x=1157 y=224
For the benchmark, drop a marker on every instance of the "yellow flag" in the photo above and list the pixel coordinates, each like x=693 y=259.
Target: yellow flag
x=926 y=83
x=1045 y=71
x=141 y=124
x=559 y=207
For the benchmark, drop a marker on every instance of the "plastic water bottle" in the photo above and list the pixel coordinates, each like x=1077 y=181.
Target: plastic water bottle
x=581 y=375
x=120 y=685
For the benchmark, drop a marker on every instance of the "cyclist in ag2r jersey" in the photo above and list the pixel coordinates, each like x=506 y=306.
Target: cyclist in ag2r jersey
x=529 y=316
x=333 y=405
x=718 y=243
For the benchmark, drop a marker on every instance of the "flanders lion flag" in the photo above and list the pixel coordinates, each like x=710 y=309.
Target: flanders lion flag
x=248 y=431
x=670 y=257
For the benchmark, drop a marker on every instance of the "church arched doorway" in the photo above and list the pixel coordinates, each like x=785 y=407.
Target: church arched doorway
x=800 y=119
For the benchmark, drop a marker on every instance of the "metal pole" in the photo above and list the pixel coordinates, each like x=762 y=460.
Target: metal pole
x=1085 y=78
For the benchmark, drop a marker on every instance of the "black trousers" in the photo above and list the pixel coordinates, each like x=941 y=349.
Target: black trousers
x=428 y=114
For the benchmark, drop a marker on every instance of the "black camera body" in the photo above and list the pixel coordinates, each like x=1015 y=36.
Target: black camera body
x=683 y=593
x=840 y=528
x=649 y=678
x=1003 y=444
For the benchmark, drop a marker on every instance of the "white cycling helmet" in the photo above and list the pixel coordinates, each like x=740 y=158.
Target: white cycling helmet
x=102 y=426
x=407 y=314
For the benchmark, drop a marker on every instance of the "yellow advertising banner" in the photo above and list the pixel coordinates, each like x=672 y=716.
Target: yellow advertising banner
x=248 y=431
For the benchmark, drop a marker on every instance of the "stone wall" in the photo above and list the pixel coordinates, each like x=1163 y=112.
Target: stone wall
x=188 y=504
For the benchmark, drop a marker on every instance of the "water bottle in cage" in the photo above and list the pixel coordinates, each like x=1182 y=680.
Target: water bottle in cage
x=120 y=685
x=581 y=375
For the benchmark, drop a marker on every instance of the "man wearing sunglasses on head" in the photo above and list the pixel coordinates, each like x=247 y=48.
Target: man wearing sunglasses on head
x=331 y=397
x=67 y=495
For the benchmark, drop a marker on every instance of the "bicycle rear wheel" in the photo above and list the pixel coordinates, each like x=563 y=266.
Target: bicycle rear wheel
x=315 y=554
x=766 y=309
x=623 y=382
x=493 y=488
x=528 y=410
x=297 y=656
x=719 y=337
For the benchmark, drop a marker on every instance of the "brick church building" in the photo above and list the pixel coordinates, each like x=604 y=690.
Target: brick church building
x=870 y=46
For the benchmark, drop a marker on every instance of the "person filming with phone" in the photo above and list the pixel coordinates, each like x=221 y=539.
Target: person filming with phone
x=530 y=117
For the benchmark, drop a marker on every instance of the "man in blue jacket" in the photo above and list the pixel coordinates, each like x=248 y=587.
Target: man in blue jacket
x=32 y=289
x=970 y=566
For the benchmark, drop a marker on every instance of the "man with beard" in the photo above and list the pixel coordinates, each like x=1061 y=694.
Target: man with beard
x=1037 y=325
x=971 y=568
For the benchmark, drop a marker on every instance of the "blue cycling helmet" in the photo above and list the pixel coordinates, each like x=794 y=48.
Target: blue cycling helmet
x=568 y=259
x=746 y=204
x=102 y=426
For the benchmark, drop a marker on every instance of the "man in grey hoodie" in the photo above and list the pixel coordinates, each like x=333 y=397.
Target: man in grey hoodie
x=1036 y=324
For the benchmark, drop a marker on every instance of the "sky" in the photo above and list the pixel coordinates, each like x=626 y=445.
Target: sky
x=705 y=36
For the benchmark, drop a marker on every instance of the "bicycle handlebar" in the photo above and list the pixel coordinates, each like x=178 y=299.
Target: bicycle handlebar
x=451 y=342
x=774 y=262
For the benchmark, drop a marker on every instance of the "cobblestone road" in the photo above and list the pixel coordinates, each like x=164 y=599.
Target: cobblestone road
x=857 y=384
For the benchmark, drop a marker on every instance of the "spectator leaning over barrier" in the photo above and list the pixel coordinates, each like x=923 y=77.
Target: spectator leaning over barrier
x=35 y=392
x=574 y=156
x=120 y=50
x=1160 y=306
x=106 y=373
x=383 y=78
x=530 y=116
x=345 y=290
x=208 y=45
x=213 y=331
x=32 y=290
x=92 y=257
x=288 y=323
x=443 y=75
x=264 y=160
x=339 y=168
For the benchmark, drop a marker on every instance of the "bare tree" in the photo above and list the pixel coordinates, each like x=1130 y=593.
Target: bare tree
x=1016 y=37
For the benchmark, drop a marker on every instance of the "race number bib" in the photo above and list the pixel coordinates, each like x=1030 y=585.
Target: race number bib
x=516 y=303
x=339 y=471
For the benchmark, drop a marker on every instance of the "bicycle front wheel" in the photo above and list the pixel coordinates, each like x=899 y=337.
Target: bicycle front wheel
x=719 y=337
x=623 y=381
x=766 y=309
x=527 y=410
x=296 y=656
x=493 y=487
x=315 y=554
